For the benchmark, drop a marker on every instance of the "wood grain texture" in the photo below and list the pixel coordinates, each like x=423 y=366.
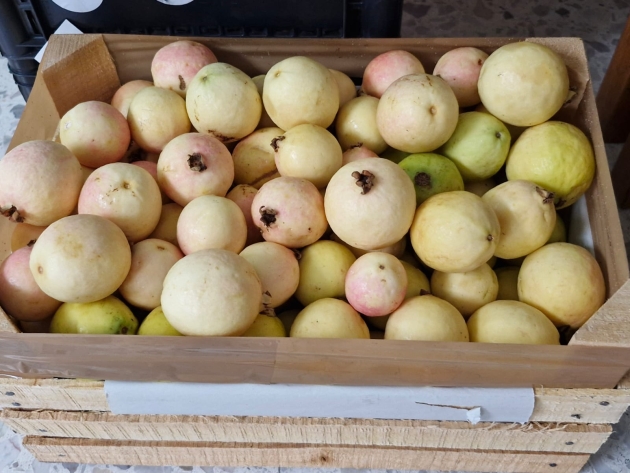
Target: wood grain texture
x=309 y=361
x=55 y=394
x=621 y=176
x=588 y=406
x=533 y=437
x=610 y=326
x=613 y=99
x=330 y=456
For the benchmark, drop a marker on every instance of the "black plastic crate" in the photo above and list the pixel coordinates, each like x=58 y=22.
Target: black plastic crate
x=25 y=25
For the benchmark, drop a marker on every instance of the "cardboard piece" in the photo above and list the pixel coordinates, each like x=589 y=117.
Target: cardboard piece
x=285 y=400
x=91 y=67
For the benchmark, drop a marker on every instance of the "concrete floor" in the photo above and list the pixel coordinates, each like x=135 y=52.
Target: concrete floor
x=598 y=22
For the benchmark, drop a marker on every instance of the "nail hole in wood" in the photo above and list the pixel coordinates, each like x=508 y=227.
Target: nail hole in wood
x=604 y=403
x=553 y=465
x=9 y=393
x=569 y=443
x=42 y=430
x=16 y=404
x=577 y=416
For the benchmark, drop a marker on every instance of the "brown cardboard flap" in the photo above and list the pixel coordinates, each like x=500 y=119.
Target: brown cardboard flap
x=83 y=62
x=309 y=361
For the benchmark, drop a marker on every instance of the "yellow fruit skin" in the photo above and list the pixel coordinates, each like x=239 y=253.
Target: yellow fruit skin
x=426 y=318
x=512 y=322
x=556 y=156
x=266 y=326
x=563 y=281
x=466 y=291
x=454 y=232
x=107 y=316
x=156 y=324
x=329 y=318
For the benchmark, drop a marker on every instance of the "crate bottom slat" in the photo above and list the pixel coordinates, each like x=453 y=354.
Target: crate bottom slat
x=273 y=455
x=532 y=437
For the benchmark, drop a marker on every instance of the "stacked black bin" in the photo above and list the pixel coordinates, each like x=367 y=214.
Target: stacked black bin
x=26 y=24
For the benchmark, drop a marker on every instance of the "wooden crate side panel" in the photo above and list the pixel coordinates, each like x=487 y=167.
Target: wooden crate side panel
x=333 y=456
x=590 y=406
x=54 y=394
x=570 y=438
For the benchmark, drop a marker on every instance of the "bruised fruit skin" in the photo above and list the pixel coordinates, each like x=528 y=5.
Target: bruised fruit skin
x=278 y=270
x=96 y=133
x=106 y=316
x=175 y=65
x=125 y=94
x=466 y=291
x=300 y=90
x=512 y=322
x=212 y=293
x=155 y=117
x=309 y=152
x=527 y=217
x=243 y=196
x=40 y=182
x=25 y=235
x=563 y=281
x=125 y=194
x=347 y=89
x=223 y=102
x=265 y=120
x=150 y=261
x=266 y=325
x=210 y=222
x=386 y=68
x=166 y=228
x=195 y=164
x=370 y=203
x=523 y=83
x=417 y=113
x=20 y=296
x=323 y=268
x=289 y=211
x=376 y=284
x=356 y=125
x=426 y=318
x=460 y=69
x=254 y=158
x=455 y=232
x=329 y=318
x=356 y=153
x=81 y=258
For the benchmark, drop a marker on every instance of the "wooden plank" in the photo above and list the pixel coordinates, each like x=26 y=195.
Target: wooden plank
x=328 y=456
x=588 y=406
x=56 y=394
x=548 y=437
x=613 y=99
x=310 y=361
x=610 y=326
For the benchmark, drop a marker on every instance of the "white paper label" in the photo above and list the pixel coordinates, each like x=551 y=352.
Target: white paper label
x=358 y=402
x=65 y=28
x=79 y=6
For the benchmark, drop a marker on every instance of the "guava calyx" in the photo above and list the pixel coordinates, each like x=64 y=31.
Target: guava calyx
x=546 y=195
x=195 y=162
x=422 y=179
x=274 y=142
x=364 y=179
x=267 y=216
x=11 y=213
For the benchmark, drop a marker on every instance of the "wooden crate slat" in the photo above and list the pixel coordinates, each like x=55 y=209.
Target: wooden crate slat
x=587 y=406
x=549 y=437
x=234 y=455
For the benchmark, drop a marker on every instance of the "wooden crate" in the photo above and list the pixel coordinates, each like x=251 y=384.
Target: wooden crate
x=69 y=420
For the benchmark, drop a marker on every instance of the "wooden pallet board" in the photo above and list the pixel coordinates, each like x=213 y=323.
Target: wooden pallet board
x=531 y=437
x=234 y=455
x=582 y=406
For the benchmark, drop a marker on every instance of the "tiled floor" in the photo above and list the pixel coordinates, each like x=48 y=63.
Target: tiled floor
x=598 y=22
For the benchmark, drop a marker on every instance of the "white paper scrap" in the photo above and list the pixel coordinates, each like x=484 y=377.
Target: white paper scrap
x=79 y=6
x=65 y=28
x=359 y=402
